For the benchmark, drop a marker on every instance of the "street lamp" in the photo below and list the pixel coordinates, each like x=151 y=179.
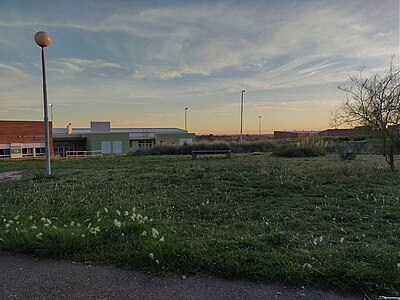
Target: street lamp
x=259 y=126
x=241 y=117
x=51 y=114
x=186 y=118
x=43 y=40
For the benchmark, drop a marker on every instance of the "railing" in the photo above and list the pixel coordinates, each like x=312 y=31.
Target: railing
x=75 y=154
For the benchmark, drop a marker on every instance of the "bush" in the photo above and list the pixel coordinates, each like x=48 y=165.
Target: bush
x=187 y=149
x=347 y=155
x=308 y=148
x=251 y=147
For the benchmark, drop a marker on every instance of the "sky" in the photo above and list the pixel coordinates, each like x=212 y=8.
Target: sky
x=141 y=63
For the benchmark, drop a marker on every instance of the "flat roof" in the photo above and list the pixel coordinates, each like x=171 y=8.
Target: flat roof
x=81 y=130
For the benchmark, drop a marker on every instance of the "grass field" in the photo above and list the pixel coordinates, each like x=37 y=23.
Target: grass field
x=315 y=221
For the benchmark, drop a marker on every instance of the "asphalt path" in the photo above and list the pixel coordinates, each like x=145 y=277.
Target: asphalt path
x=23 y=277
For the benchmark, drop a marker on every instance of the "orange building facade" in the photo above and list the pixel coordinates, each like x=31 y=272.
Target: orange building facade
x=19 y=139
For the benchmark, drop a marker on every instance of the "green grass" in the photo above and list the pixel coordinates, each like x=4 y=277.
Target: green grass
x=303 y=221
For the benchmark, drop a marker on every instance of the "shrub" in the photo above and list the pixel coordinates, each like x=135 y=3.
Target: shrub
x=188 y=148
x=345 y=155
x=308 y=148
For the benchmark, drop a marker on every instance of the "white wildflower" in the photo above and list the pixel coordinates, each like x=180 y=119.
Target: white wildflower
x=54 y=227
x=8 y=225
x=83 y=235
x=78 y=225
x=89 y=225
x=106 y=210
x=72 y=223
x=33 y=227
x=98 y=214
x=341 y=240
x=154 y=233
x=117 y=223
x=43 y=219
x=39 y=235
x=144 y=233
x=94 y=230
x=126 y=213
x=118 y=212
x=151 y=255
x=46 y=225
x=162 y=239
x=30 y=217
x=16 y=217
x=157 y=261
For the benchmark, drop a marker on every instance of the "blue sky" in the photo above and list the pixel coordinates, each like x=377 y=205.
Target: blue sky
x=140 y=63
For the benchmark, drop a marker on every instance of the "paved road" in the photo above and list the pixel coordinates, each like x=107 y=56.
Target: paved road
x=24 y=277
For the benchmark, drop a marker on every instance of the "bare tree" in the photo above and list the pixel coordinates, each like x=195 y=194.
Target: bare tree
x=374 y=100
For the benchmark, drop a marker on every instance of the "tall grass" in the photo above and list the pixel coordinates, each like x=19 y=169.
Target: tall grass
x=303 y=148
x=317 y=221
x=187 y=149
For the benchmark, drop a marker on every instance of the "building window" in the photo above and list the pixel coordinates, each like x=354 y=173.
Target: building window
x=27 y=151
x=145 y=144
x=40 y=151
x=4 y=153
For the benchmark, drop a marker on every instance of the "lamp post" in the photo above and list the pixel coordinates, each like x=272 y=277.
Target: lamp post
x=241 y=117
x=186 y=118
x=259 y=126
x=43 y=40
x=51 y=114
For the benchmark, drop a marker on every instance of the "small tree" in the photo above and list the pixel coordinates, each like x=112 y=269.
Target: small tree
x=374 y=101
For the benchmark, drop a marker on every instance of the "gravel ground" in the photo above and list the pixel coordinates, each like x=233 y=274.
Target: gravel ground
x=23 y=277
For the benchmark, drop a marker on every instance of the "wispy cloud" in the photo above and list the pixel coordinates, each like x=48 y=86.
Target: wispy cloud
x=135 y=54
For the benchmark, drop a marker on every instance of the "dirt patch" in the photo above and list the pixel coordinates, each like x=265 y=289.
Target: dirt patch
x=10 y=176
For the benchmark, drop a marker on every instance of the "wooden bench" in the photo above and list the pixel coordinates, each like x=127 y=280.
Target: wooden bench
x=206 y=152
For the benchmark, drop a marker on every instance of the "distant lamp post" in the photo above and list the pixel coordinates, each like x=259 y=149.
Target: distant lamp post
x=259 y=125
x=241 y=117
x=43 y=40
x=186 y=118
x=51 y=114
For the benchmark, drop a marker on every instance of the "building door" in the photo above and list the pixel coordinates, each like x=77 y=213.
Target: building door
x=117 y=147
x=106 y=147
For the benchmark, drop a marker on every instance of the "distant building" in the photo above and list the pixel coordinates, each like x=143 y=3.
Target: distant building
x=23 y=139
x=337 y=132
x=294 y=134
x=19 y=139
x=358 y=130
x=101 y=137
